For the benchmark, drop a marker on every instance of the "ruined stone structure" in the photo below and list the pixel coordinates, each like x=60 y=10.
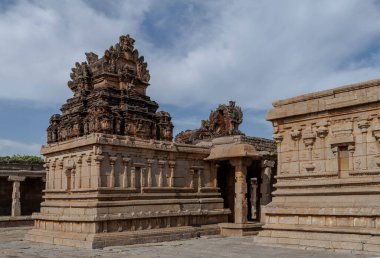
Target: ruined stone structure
x=115 y=177
x=224 y=121
x=328 y=174
x=21 y=186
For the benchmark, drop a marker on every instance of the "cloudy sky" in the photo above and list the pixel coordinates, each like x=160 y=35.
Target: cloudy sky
x=200 y=53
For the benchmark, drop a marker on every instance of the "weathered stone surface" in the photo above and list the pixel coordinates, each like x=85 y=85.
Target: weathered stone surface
x=224 y=121
x=109 y=97
x=328 y=170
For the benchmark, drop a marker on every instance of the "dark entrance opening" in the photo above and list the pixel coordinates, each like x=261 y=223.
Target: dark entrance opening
x=253 y=180
x=31 y=195
x=5 y=196
x=226 y=183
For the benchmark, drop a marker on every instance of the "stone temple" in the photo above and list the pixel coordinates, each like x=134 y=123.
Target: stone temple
x=115 y=176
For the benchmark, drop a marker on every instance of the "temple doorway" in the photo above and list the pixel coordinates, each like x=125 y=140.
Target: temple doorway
x=253 y=181
x=226 y=183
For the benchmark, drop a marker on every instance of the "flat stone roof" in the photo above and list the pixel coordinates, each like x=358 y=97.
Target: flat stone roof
x=340 y=97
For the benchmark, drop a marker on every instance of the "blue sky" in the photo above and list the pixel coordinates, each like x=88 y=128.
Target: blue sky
x=199 y=53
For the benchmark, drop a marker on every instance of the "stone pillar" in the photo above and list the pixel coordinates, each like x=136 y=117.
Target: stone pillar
x=296 y=136
x=125 y=173
x=200 y=183
x=73 y=178
x=79 y=173
x=161 y=164
x=89 y=161
x=133 y=177
x=98 y=166
x=192 y=173
x=171 y=178
x=48 y=172
x=240 y=209
x=266 y=175
x=61 y=172
x=52 y=175
x=278 y=139
x=363 y=126
x=16 y=204
x=112 y=173
x=150 y=162
x=351 y=150
x=322 y=132
x=142 y=177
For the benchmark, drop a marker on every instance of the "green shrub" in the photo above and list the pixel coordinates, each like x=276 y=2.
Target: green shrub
x=21 y=159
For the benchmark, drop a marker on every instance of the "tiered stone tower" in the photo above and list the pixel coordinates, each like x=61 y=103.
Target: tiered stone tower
x=109 y=97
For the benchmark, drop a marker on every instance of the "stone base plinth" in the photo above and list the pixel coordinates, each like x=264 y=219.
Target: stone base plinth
x=104 y=239
x=18 y=221
x=324 y=239
x=236 y=229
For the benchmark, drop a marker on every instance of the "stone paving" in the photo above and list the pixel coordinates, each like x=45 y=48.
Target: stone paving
x=13 y=245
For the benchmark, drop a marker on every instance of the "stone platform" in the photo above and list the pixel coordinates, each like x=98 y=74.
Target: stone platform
x=13 y=245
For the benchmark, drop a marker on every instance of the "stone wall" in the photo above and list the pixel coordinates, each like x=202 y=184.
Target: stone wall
x=328 y=170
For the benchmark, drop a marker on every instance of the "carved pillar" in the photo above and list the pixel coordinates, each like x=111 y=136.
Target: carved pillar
x=150 y=162
x=200 y=183
x=296 y=136
x=61 y=172
x=89 y=161
x=16 y=204
x=98 y=166
x=79 y=173
x=125 y=173
x=351 y=149
x=142 y=177
x=278 y=139
x=192 y=173
x=52 y=175
x=133 y=177
x=363 y=126
x=171 y=178
x=308 y=139
x=73 y=178
x=266 y=175
x=322 y=132
x=48 y=172
x=161 y=164
x=240 y=209
x=112 y=173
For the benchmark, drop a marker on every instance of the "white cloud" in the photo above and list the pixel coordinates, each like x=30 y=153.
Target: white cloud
x=251 y=51
x=10 y=147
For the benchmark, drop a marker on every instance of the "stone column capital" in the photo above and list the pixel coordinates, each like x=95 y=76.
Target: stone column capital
x=171 y=163
x=16 y=178
x=161 y=163
x=240 y=162
x=113 y=160
x=150 y=162
x=126 y=160
x=363 y=125
x=267 y=163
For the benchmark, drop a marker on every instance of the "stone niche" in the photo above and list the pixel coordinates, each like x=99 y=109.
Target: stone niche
x=328 y=178
x=114 y=176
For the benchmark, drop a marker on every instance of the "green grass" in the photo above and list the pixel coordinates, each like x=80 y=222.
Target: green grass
x=21 y=159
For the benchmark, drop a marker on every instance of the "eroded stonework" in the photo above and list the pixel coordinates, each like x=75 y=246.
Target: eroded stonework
x=328 y=174
x=224 y=121
x=114 y=175
x=109 y=97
